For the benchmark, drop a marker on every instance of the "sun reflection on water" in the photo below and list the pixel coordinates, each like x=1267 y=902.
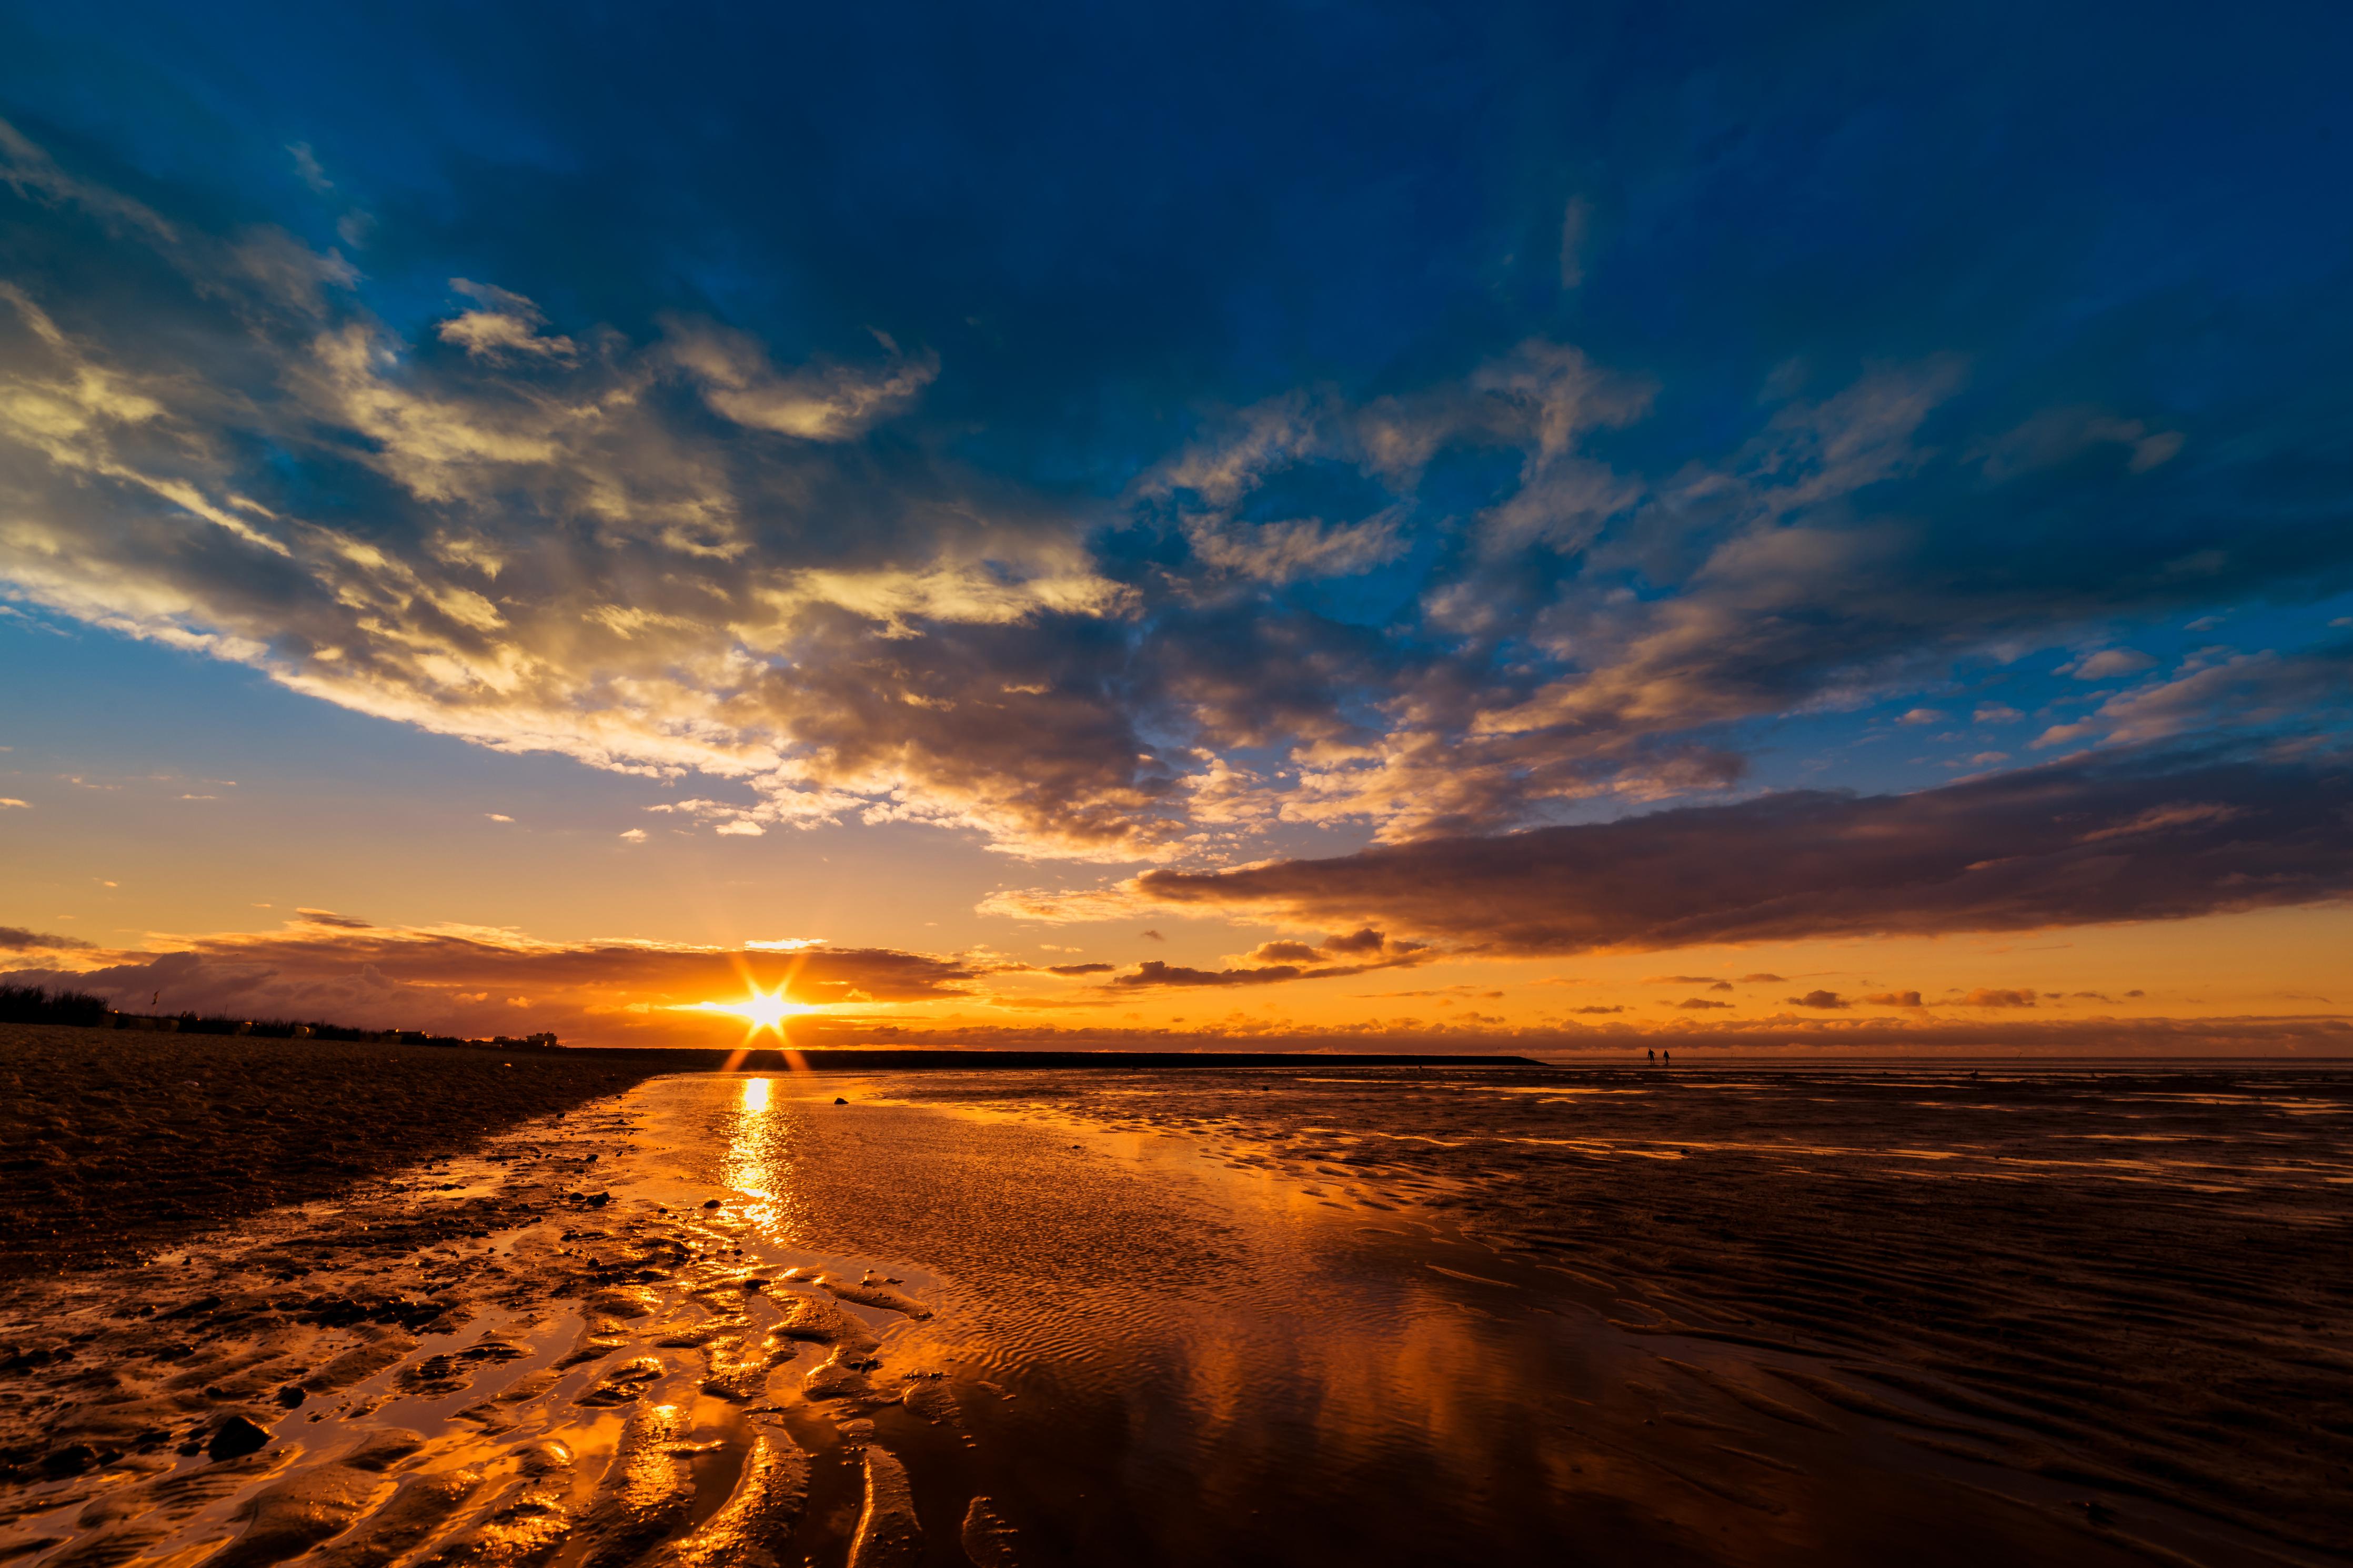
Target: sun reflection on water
x=749 y=1168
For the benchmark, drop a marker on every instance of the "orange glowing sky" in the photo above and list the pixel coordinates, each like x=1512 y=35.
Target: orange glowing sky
x=895 y=933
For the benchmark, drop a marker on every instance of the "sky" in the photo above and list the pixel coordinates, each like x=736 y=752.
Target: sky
x=1541 y=528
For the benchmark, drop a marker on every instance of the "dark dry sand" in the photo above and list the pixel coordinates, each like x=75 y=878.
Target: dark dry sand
x=113 y=1142
x=1289 y=1318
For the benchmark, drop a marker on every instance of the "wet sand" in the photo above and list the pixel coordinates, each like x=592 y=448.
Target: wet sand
x=1152 y=1321
x=113 y=1143
x=2137 y=1278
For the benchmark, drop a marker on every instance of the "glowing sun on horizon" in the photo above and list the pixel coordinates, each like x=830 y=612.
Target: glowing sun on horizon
x=762 y=1009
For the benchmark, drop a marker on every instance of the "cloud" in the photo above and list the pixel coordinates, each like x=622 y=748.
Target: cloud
x=2072 y=843
x=504 y=326
x=1990 y=996
x=838 y=574
x=1359 y=953
x=2163 y=818
x=2059 y=435
x=1576 y=224
x=8 y=802
x=1699 y=1004
x=1359 y=944
x=2108 y=663
x=2207 y=693
x=1893 y=999
x=1821 y=1000
x=543 y=549
x=463 y=979
x=16 y=939
x=1065 y=906
x=1154 y=975
x=829 y=403
x=306 y=164
x=1081 y=968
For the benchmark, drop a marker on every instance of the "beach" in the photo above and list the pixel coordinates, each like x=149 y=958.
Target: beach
x=1288 y=1315
x=119 y=1141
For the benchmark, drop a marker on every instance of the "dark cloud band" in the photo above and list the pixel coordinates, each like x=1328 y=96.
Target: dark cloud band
x=2080 y=842
x=16 y=939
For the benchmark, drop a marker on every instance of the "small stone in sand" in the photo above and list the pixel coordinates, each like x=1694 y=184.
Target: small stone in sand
x=711 y=1203
x=235 y=1438
x=71 y=1460
x=839 y=1100
x=292 y=1394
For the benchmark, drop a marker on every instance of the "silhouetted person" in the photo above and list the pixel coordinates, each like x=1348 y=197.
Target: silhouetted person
x=1653 y=1056
x=1668 y=1057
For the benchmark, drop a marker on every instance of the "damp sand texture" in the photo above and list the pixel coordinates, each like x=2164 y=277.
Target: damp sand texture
x=113 y=1143
x=726 y=1319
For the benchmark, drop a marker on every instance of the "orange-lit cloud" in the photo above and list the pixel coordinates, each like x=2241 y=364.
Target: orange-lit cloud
x=480 y=983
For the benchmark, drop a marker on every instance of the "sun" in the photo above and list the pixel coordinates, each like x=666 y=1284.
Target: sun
x=762 y=1009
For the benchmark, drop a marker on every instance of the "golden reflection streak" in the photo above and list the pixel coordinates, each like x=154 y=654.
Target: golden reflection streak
x=749 y=1171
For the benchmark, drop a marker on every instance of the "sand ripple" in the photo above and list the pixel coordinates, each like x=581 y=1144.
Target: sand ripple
x=539 y=1372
